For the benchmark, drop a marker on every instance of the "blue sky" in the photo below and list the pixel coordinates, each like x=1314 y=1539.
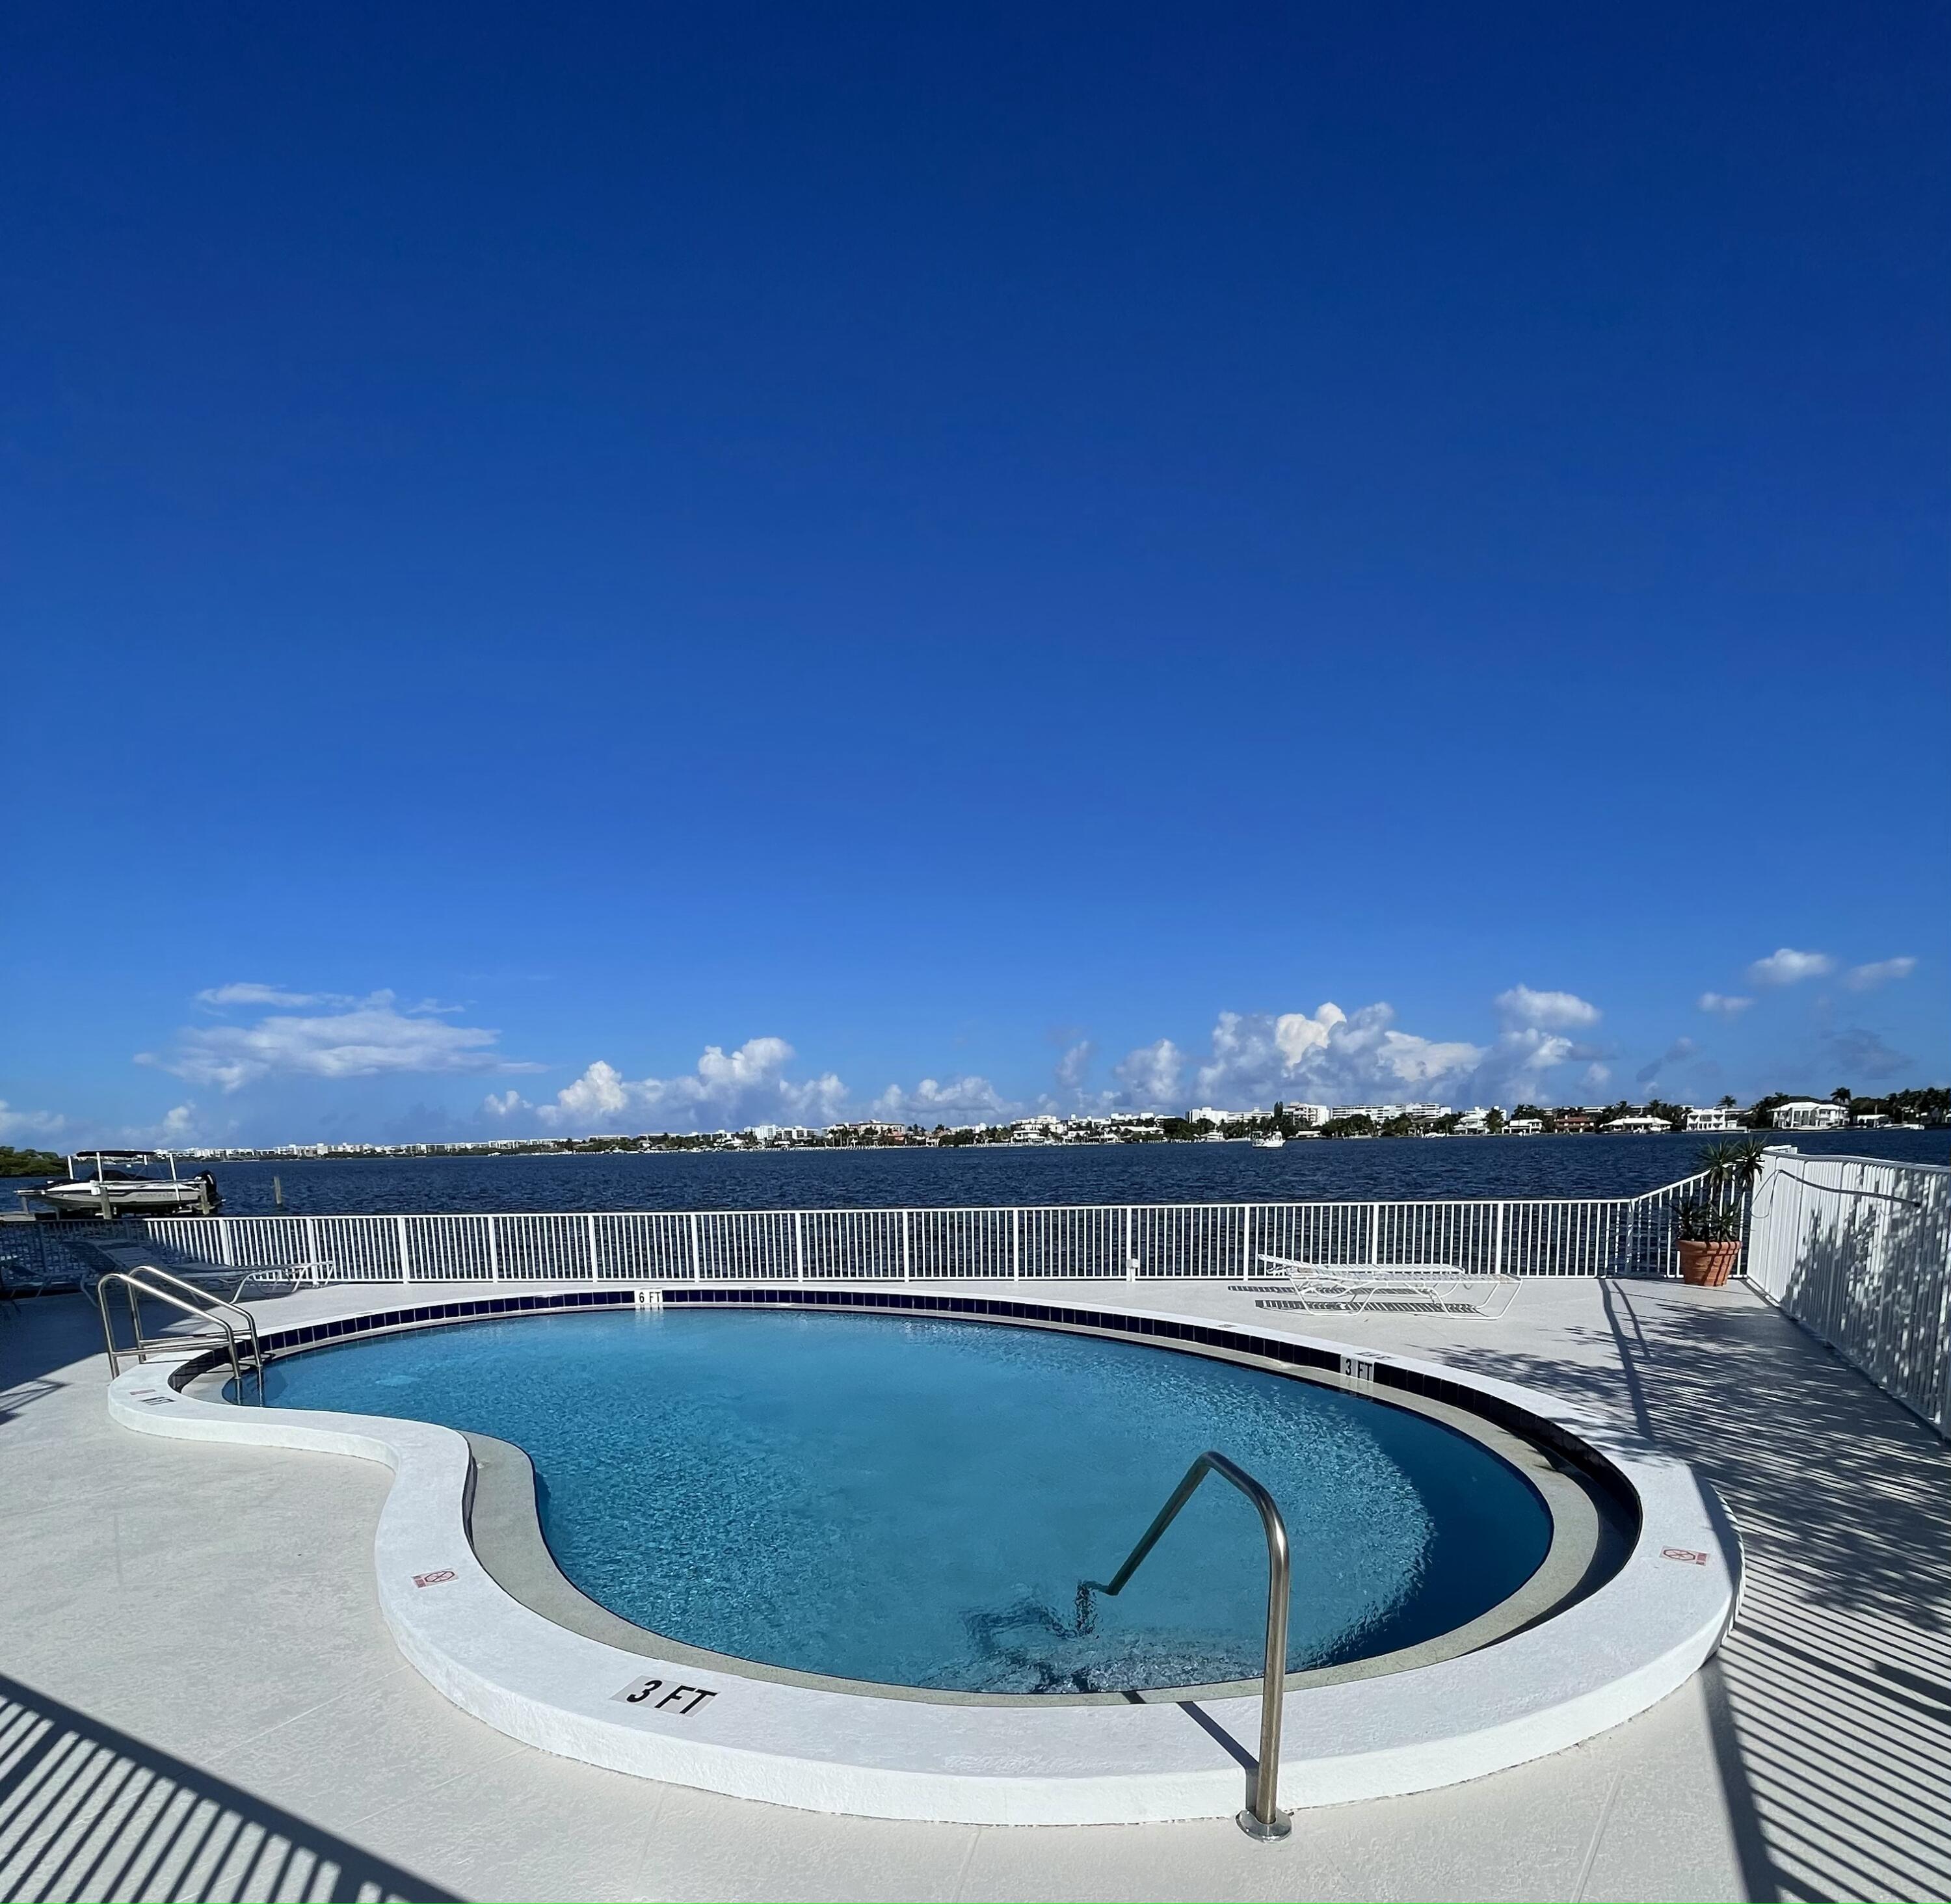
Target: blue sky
x=950 y=557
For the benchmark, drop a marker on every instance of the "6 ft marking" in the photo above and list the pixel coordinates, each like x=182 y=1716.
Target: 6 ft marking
x=638 y=1690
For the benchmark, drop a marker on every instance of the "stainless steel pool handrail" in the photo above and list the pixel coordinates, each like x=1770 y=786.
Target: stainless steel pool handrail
x=216 y=1302
x=143 y=1346
x=1264 y=1819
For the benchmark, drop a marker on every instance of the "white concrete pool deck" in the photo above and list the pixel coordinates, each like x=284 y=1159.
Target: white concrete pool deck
x=197 y=1696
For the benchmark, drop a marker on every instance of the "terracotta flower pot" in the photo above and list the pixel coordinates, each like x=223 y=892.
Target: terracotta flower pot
x=1708 y=1264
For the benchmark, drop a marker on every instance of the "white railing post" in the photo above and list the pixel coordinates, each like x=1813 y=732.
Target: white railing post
x=311 y=1242
x=694 y=1274
x=799 y=1246
x=1015 y=1245
x=1131 y=1261
x=1375 y=1233
x=494 y=1251
x=226 y=1248
x=591 y=1221
x=906 y=1258
x=406 y=1257
x=1246 y=1242
x=1497 y=1247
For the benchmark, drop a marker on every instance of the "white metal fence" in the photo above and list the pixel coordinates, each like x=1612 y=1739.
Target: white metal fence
x=1138 y=1242
x=1858 y=1252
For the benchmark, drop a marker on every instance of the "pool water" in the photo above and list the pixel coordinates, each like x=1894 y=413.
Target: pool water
x=915 y=1503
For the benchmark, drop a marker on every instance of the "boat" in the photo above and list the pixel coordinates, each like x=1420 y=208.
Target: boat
x=116 y=1187
x=1268 y=1140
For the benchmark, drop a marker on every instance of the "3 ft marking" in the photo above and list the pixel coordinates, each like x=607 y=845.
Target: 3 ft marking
x=1356 y=1368
x=639 y=1691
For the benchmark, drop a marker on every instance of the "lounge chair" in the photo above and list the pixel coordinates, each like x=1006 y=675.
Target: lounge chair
x=1355 y=1287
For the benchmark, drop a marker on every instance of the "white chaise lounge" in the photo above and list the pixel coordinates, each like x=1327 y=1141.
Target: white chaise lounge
x=1358 y=1286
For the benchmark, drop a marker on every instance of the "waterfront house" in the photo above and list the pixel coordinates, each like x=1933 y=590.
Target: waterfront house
x=1716 y=1117
x=1809 y=1114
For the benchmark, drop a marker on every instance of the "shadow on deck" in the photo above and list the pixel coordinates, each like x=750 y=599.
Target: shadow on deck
x=1833 y=1702
x=87 y=1812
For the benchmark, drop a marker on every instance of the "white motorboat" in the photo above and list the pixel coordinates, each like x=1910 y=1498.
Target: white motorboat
x=1269 y=1141
x=116 y=1187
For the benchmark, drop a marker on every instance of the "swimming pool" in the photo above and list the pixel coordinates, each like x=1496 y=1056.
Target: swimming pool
x=914 y=1502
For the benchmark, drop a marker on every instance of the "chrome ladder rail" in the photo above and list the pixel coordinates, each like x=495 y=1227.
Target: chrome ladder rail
x=216 y=1303
x=144 y=1345
x=1263 y=1819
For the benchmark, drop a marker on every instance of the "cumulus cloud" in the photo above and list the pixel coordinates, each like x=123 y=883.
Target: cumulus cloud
x=1521 y=1009
x=1867 y=977
x=28 y=1123
x=965 y=1100
x=1787 y=966
x=1074 y=1067
x=352 y=1037
x=1149 y=1077
x=178 y=1125
x=730 y=1089
x=1328 y=1054
x=1332 y=1056
x=1722 y=1005
x=1596 y=1077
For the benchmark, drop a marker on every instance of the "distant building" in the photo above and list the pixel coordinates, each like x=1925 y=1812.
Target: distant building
x=1473 y=1122
x=1379 y=1114
x=1575 y=1120
x=1716 y=1117
x=1525 y=1126
x=1869 y=1120
x=1644 y=1126
x=1809 y=1114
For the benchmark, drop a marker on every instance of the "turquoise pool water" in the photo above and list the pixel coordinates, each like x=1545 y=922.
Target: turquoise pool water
x=914 y=1502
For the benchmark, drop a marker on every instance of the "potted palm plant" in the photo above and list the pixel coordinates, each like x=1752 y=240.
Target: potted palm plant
x=1712 y=1222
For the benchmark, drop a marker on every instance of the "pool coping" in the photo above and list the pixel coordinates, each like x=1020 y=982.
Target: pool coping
x=1587 y=1668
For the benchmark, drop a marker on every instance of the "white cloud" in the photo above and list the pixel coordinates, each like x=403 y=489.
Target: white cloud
x=177 y=1126
x=1720 y=1004
x=729 y=1089
x=27 y=1123
x=962 y=1099
x=1596 y=1077
x=1522 y=1008
x=1329 y=1054
x=510 y=1102
x=356 y=1037
x=1787 y=966
x=1148 y=1078
x=1331 y=1057
x=219 y=997
x=1075 y=1065
x=1867 y=977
